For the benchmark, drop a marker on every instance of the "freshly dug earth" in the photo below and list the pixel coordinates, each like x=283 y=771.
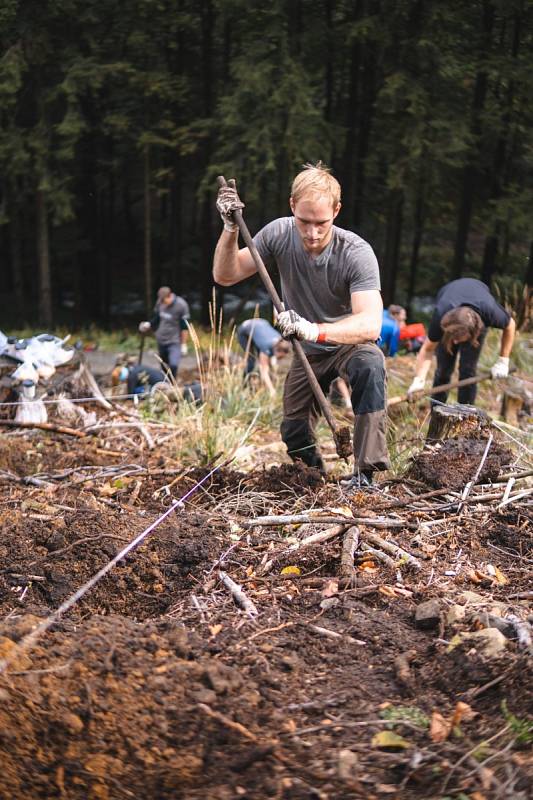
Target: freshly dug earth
x=156 y=685
x=454 y=462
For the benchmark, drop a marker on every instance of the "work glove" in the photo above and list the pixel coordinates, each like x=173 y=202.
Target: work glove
x=290 y=323
x=184 y=349
x=228 y=201
x=144 y=327
x=501 y=368
x=416 y=385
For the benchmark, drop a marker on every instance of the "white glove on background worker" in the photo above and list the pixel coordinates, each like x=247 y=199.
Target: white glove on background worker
x=289 y=323
x=501 y=368
x=228 y=201
x=144 y=327
x=417 y=384
x=184 y=349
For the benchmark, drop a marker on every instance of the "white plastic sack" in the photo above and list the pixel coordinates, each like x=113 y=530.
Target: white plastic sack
x=31 y=411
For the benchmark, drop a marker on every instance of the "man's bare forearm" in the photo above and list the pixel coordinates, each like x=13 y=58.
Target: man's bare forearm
x=226 y=259
x=507 y=339
x=355 y=329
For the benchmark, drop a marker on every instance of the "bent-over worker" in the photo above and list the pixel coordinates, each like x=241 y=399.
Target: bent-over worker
x=331 y=290
x=262 y=344
x=464 y=309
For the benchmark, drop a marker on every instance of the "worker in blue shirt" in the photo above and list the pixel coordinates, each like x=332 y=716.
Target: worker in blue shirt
x=390 y=332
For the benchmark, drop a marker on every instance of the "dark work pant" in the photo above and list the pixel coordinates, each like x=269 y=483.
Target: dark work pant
x=170 y=355
x=363 y=367
x=468 y=358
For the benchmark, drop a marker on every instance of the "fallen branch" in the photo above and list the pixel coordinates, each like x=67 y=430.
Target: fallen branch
x=229 y=723
x=349 y=546
x=45 y=426
x=239 y=597
x=329 y=634
x=321 y=536
x=394 y=549
x=85 y=373
x=300 y=519
x=379 y=554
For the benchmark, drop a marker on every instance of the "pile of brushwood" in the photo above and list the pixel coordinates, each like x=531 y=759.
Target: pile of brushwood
x=271 y=637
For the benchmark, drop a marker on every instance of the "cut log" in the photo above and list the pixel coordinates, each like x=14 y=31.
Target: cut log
x=457 y=420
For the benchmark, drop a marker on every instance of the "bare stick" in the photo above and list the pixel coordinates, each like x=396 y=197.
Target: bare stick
x=229 y=723
x=329 y=634
x=86 y=373
x=45 y=426
x=239 y=597
x=299 y=519
x=394 y=549
x=379 y=554
x=349 y=546
x=469 y=486
x=321 y=536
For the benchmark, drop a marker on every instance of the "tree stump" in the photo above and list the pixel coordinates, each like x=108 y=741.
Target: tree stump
x=516 y=398
x=457 y=420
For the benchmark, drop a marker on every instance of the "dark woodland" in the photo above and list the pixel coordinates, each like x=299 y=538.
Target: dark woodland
x=117 y=116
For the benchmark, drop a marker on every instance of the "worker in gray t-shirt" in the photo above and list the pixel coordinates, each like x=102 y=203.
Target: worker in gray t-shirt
x=169 y=326
x=330 y=286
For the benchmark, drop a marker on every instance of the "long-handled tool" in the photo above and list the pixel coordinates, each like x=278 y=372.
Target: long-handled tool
x=445 y=387
x=341 y=436
x=141 y=349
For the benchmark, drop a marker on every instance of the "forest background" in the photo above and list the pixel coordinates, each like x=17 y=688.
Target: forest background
x=117 y=116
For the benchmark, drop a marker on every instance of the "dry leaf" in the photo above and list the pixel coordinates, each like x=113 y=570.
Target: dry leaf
x=499 y=577
x=386 y=739
x=331 y=588
x=215 y=629
x=463 y=712
x=291 y=570
x=440 y=728
x=368 y=566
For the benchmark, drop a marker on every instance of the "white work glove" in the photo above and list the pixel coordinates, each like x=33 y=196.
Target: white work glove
x=184 y=349
x=501 y=368
x=416 y=385
x=228 y=201
x=144 y=327
x=290 y=323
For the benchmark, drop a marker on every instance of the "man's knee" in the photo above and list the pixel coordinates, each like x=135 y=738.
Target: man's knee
x=300 y=442
x=367 y=376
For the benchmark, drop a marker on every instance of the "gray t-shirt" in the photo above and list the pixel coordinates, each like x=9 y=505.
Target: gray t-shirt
x=318 y=288
x=169 y=317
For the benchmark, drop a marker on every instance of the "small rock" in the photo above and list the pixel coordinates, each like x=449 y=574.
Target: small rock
x=492 y=621
x=455 y=614
x=490 y=642
x=72 y=722
x=469 y=598
x=329 y=602
x=427 y=614
x=347 y=765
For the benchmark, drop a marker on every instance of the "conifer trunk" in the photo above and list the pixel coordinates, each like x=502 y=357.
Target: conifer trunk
x=43 y=258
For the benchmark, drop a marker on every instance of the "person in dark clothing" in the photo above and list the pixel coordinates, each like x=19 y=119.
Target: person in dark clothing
x=141 y=380
x=464 y=309
x=170 y=312
x=262 y=343
x=330 y=286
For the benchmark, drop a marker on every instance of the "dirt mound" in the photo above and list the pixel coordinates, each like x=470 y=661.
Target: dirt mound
x=454 y=462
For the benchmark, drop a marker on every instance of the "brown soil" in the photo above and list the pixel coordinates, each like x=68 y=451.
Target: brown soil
x=454 y=462
x=155 y=685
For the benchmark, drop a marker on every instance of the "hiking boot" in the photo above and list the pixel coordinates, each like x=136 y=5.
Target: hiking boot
x=359 y=482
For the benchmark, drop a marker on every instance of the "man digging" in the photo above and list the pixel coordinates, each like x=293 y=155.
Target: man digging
x=330 y=286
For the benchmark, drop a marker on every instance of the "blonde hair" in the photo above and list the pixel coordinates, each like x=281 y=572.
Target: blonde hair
x=316 y=179
x=460 y=323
